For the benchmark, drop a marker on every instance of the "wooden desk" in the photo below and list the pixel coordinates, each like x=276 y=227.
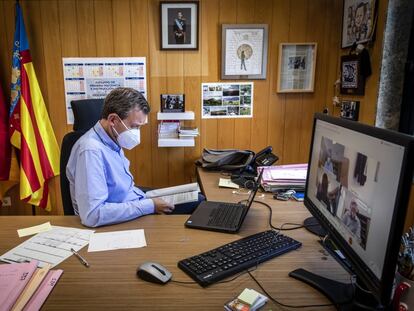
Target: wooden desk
x=111 y=284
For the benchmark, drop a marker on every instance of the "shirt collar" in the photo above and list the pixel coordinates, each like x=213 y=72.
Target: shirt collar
x=105 y=138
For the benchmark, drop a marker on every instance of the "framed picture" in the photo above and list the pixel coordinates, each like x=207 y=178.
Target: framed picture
x=350 y=110
x=352 y=80
x=244 y=51
x=179 y=25
x=172 y=103
x=358 y=21
x=296 y=67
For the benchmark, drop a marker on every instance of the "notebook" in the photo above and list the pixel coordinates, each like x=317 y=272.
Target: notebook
x=222 y=216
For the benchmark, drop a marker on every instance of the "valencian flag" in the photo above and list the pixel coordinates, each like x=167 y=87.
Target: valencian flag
x=30 y=129
x=8 y=164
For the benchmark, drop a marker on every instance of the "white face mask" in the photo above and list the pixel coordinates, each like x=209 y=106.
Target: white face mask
x=129 y=138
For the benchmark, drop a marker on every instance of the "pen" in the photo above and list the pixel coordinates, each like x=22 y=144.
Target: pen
x=81 y=259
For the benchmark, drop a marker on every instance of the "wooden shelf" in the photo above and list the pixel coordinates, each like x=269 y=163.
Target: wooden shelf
x=176 y=142
x=188 y=115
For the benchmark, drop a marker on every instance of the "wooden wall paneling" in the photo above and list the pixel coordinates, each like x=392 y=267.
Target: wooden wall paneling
x=86 y=25
x=314 y=33
x=334 y=47
x=157 y=85
x=279 y=32
x=68 y=29
x=242 y=126
x=140 y=48
x=294 y=104
x=175 y=85
x=104 y=26
x=259 y=124
x=7 y=14
x=211 y=62
x=225 y=127
x=54 y=80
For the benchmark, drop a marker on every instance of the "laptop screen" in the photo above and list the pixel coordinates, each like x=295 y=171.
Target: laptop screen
x=254 y=190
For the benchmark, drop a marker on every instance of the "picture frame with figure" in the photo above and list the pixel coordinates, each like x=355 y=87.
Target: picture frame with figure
x=244 y=51
x=358 y=22
x=296 y=67
x=179 y=25
x=352 y=79
x=172 y=102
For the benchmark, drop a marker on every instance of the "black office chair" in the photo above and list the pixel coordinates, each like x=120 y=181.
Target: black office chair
x=86 y=113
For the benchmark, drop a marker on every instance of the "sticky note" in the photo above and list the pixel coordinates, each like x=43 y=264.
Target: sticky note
x=35 y=229
x=248 y=296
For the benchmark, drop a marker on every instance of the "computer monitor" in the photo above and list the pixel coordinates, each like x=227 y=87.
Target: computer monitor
x=358 y=185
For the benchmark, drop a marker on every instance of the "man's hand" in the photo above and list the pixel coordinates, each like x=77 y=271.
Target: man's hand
x=162 y=207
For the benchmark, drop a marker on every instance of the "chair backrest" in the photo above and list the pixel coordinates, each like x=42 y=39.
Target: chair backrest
x=86 y=113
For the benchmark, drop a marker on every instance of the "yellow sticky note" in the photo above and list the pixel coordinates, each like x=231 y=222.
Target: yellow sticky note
x=248 y=296
x=35 y=229
x=227 y=183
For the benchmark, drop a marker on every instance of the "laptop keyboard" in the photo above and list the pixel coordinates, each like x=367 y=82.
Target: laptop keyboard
x=229 y=259
x=226 y=215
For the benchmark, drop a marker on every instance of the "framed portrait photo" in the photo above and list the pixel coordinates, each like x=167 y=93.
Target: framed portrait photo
x=244 y=51
x=352 y=80
x=172 y=103
x=296 y=67
x=358 y=21
x=179 y=25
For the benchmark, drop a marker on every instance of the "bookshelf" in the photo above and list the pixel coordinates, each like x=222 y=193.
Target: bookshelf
x=177 y=117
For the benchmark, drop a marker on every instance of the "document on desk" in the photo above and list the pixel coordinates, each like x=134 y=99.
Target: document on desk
x=51 y=247
x=176 y=195
x=106 y=241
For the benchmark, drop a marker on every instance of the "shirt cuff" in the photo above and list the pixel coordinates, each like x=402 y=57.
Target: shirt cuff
x=147 y=206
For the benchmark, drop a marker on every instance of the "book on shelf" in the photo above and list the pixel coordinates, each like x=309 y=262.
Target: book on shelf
x=177 y=194
x=168 y=129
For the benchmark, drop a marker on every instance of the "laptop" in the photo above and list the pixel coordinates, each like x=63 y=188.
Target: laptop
x=222 y=216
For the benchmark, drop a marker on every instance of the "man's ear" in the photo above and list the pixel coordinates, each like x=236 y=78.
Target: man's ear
x=111 y=118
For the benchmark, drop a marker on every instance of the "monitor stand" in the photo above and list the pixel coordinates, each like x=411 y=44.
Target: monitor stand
x=313 y=226
x=340 y=294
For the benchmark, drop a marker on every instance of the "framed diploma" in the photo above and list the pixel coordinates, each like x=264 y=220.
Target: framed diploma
x=244 y=51
x=296 y=67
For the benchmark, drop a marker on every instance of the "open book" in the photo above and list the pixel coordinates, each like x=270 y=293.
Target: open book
x=176 y=195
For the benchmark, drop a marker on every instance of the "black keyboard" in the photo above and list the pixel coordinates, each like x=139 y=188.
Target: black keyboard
x=226 y=214
x=229 y=259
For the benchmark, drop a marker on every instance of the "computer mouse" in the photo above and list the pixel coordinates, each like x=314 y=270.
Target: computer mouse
x=154 y=272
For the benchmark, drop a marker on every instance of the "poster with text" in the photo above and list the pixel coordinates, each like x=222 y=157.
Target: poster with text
x=227 y=100
x=90 y=78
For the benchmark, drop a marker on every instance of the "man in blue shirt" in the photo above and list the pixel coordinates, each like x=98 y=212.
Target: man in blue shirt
x=101 y=186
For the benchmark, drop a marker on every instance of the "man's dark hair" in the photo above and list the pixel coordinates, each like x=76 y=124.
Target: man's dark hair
x=122 y=100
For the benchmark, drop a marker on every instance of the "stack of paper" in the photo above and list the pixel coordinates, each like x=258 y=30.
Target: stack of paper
x=176 y=195
x=291 y=176
x=23 y=286
x=188 y=132
x=168 y=129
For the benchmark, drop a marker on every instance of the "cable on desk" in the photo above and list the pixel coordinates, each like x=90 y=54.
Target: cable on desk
x=286 y=305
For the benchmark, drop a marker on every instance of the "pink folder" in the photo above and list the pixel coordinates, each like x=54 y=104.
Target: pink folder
x=13 y=279
x=43 y=291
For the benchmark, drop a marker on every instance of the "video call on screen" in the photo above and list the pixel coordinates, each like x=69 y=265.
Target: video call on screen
x=353 y=181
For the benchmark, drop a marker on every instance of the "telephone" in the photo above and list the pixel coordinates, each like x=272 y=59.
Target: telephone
x=264 y=157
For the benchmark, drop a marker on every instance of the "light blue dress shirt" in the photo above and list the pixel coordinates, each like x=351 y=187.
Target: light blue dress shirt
x=101 y=185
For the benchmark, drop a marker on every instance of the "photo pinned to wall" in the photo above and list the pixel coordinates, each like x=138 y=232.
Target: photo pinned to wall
x=352 y=79
x=172 y=103
x=296 y=67
x=179 y=25
x=358 y=21
x=350 y=110
x=244 y=51
x=227 y=100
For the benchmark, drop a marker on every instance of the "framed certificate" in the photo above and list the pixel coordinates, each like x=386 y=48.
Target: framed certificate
x=244 y=51
x=296 y=67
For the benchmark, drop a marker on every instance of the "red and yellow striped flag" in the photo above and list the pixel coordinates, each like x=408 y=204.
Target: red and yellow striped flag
x=30 y=127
